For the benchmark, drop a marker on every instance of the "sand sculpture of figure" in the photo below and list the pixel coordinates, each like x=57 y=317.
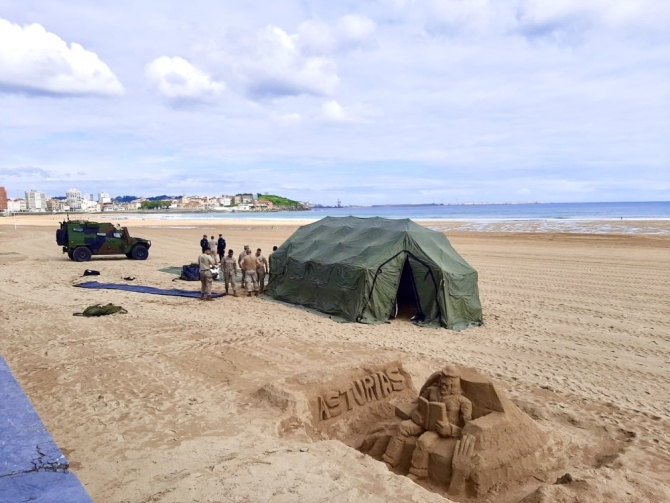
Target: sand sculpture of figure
x=441 y=412
x=462 y=434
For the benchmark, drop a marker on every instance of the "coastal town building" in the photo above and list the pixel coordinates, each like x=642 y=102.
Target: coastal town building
x=262 y=204
x=226 y=200
x=243 y=199
x=56 y=205
x=73 y=197
x=16 y=205
x=3 y=199
x=89 y=206
x=104 y=198
x=36 y=200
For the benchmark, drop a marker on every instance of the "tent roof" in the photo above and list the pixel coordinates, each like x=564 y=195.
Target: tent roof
x=368 y=242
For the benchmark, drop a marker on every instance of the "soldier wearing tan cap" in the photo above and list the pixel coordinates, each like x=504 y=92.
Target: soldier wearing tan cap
x=249 y=263
x=240 y=258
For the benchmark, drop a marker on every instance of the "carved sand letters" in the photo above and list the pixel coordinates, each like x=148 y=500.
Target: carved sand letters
x=370 y=388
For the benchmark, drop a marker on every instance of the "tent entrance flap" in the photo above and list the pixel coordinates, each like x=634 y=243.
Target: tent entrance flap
x=407 y=305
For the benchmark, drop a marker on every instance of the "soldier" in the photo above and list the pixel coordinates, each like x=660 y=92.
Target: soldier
x=239 y=261
x=229 y=265
x=211 y=244
x=446 y=390
x=205 y=261
x=221 y=248
x=204 y=244
x=262 y=268
x=249 y=273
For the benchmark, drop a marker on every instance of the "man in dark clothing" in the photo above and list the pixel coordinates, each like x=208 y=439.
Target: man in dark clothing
x=204 y=244
x=221 y=248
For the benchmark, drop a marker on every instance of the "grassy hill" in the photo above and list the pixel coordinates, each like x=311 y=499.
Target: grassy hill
x=281 y=202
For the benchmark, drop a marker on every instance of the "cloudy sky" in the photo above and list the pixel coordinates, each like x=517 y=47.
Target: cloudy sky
x=368 y=101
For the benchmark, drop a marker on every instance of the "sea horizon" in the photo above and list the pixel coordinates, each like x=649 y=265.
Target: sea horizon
x=646 y=210
x=590 y=218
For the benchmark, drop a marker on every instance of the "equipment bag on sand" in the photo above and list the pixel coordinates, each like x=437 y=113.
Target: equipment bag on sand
x=101 y=310
x=190 y=272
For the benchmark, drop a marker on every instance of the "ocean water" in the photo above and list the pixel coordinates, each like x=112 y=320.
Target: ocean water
x=628 y=217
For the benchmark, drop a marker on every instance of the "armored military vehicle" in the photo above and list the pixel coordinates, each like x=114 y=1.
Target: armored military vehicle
x=82 y=239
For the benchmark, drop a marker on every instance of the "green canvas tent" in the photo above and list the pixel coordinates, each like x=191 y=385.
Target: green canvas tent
x=358 y=269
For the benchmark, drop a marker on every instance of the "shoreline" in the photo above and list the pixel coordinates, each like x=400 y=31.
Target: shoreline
x=654 y=227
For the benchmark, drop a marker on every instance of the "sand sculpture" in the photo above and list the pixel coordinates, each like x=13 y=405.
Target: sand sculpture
x=462 y=434
x=373 y=387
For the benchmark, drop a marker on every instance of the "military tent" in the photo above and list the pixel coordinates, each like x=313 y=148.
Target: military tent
x=357 y=269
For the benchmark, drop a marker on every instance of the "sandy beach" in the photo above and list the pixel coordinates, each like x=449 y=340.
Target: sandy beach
x=162 y=404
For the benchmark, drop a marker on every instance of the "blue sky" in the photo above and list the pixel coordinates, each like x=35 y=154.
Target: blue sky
x=369 y=102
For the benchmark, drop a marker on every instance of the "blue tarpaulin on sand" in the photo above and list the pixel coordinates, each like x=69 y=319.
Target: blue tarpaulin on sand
x=144 y=289
x=32 y=467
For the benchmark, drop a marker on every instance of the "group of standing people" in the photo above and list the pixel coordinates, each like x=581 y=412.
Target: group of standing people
x=211 y=244
x=254 y=267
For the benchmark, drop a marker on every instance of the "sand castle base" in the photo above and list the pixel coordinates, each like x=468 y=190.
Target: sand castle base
x=367 y=407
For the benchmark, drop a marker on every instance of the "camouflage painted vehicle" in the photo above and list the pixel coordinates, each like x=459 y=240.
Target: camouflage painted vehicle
x=82 y=239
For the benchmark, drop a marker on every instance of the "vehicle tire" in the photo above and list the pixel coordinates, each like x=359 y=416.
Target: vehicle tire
x=129 y=255
x=140 y=253
x=81 y=254
x=69 y=254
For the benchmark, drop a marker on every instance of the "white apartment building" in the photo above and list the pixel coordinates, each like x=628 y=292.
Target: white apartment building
x=36 y=200
x=226 y=200
x=104 y=198
x=89 y=206
x=16 y=205
x=74 y=199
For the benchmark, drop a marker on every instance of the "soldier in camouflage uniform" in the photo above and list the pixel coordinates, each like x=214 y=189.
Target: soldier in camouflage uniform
x=262 y=268
x=229 y=265
x=239 y=261
x=249 y=273
x=205 y=261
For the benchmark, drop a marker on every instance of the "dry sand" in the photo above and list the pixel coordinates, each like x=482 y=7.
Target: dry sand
x=161 y=404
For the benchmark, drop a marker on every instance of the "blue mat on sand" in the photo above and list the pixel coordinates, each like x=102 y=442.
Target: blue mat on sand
x=144 y=289
x=32 y=467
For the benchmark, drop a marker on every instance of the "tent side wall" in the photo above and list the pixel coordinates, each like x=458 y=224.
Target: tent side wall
x=336 y=290
x=460 y=295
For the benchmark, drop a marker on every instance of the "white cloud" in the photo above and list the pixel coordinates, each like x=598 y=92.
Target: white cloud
x=290 y=118
x=34 y=60
x=564 y=19
x=350 y=32
x=332 y=111
x=608 y=12
x=462 y=15
x=177 y=79
x=271 y=64
x=560 y=20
